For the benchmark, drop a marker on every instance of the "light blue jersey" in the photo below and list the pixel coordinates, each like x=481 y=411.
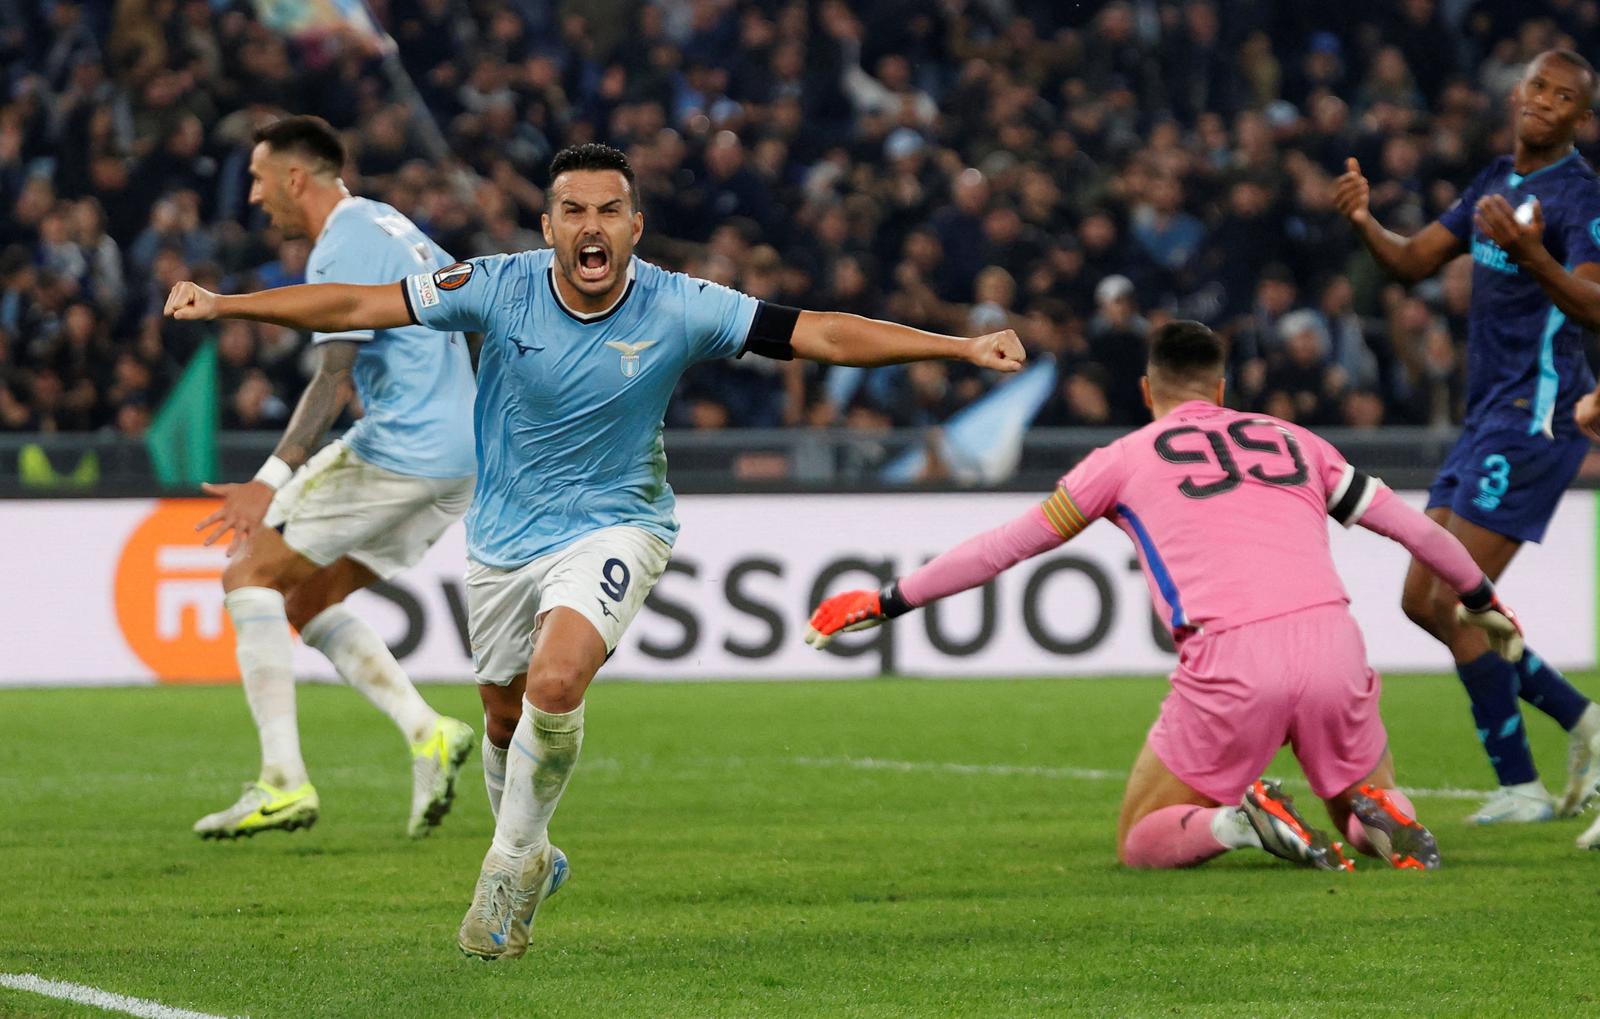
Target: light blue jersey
x=415 y=386
x=570 y=407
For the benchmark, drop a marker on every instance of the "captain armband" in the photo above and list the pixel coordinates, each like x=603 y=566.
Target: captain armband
x=772 y=332
x=1351 y=497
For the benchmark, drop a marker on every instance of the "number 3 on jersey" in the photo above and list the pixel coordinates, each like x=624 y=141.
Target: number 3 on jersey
x=1189 y=444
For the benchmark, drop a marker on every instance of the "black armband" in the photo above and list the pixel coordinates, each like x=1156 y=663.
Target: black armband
x=411 y=312
x=1480 y=597
x=891 y=602
x=772 y=332
x=1353 y=496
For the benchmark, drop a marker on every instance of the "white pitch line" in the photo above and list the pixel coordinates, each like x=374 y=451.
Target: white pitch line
x=1038 y=771
x=86 y=995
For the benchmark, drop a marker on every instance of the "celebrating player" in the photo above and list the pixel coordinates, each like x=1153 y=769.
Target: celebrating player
x=1228 y=512
x=367 y=506
x=1535 y=291
x=572 y=518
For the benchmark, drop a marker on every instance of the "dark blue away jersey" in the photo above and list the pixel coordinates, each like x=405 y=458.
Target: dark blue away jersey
x=1525 y=362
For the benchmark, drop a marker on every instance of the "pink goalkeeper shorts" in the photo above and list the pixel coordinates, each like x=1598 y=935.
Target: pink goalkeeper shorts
x=1238 y=695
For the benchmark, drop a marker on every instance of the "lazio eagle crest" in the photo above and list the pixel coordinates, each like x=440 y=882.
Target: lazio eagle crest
x=630 y=355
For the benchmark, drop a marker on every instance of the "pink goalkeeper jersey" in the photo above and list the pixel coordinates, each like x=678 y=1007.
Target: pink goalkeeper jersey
x=1229 y=512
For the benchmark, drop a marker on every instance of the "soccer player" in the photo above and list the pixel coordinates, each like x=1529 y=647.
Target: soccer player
x=366 y=506
x=572 y=517
x=1228 y=512
x=1531 y=221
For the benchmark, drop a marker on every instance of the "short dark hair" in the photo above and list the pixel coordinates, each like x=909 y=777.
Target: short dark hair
x=311 y=137
x=1186 y=353
x=595 y=156
x=1572 y=58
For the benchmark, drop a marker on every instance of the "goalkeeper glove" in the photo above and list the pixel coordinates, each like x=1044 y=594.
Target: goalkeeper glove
x=1482 y=608
x=854 y=610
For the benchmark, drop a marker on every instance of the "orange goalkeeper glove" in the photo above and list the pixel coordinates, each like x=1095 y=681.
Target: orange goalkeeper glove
x=854 y=610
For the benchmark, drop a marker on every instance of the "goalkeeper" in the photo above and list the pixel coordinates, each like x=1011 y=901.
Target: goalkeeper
x=1228 y=513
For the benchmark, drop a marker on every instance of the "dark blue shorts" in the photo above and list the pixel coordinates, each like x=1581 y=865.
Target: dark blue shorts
x=1507 y=481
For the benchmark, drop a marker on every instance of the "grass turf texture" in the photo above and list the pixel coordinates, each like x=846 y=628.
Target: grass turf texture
x=729 y=859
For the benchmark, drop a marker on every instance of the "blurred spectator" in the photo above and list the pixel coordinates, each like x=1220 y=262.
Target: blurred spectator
x=959 y=167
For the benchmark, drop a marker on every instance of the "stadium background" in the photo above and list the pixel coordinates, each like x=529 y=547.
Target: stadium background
x=798 y=848
x=1077 y=172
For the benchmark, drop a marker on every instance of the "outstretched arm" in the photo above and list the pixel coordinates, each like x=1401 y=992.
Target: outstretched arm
x=320 y=307
x=970 y=564
x=245 y=505
x=1441 y=552
x=1408 y=258
x=837 y=338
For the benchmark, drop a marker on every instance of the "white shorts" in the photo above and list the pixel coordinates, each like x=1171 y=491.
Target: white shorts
x=604 y=576
x=338 y=505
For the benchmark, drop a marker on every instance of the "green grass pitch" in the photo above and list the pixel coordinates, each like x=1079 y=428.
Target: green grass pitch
x=760 y=849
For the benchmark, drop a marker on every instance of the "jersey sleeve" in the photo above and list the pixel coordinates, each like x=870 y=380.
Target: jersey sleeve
x=717 y=318
x=458 y=298
x=1458 y=218
x=339 y=261
x=1087 y=492
x=1347 y=492
x=1580 y=226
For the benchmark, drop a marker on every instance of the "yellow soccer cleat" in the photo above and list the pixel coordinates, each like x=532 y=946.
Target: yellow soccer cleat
x=262 y=808
x=435 y=763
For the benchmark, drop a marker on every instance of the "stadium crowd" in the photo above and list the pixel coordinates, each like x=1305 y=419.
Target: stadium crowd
x=1076 y=171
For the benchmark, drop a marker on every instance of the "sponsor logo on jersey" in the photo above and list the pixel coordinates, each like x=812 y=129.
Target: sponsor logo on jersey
x=453 y=277
x=427 y=294
x=630 y=355
x=1491 y=256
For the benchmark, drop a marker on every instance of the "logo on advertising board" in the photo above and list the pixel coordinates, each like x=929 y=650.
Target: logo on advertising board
x=168 y=594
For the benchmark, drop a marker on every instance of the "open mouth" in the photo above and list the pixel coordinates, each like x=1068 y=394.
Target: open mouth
x=593 y=263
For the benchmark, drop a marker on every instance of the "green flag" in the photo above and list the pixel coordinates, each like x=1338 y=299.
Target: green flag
x=183 y=437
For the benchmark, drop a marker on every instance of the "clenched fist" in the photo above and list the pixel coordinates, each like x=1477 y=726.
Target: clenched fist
x=190 y=302
x=1001 y=351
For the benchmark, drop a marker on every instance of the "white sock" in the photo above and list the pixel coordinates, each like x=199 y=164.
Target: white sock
x=264 y=648
x=544 y=750
x=1233 y=829
x=494 y=774
x=365 y=662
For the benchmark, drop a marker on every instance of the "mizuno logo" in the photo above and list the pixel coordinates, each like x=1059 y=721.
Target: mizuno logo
x=604 y=608
x=521 y=348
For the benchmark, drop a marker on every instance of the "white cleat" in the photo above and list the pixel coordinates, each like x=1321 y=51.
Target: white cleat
x=262 y=807
x=435 y=763
x=1583 y=763
x=499 y=923
x=1527 y=803
x=1591 y=838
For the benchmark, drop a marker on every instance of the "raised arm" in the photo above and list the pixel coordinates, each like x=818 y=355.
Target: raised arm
x=970 y=564
x=320 y=307
x=1408 y=258
x=837 y=338
x=1440 y=551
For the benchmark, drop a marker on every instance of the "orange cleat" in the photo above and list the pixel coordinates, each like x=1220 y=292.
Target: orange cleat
x=1400 y=839
x=1284 y=833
